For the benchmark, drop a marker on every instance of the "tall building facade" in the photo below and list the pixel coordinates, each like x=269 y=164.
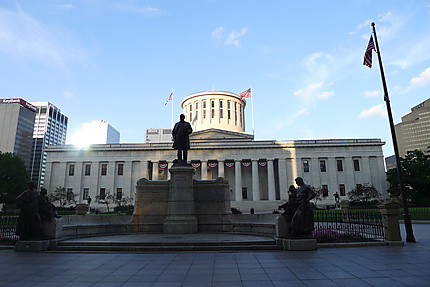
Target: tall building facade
x=16 y=127
x=50 y=128
x=259 y=172
x=158 y=135
x=414 y=130
x=99 y=132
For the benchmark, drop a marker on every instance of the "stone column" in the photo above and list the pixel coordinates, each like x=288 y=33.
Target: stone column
x=154 y=170
x=390 y=217
x=204 y=169
x=283 y=185
x=221 y=168
x=169 y=166
x=255 y=181
x=181 y=217
x=271 y=180
x=238 y=179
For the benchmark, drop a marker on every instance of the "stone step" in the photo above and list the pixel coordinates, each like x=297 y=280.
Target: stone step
x=103 y=246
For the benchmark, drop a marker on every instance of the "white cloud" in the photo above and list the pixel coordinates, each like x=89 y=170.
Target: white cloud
x=325 y=95
x=68 y=95
x=313 y=92
x=375 y=93
x=217 y=34
x=422 y=80
x=375 y=111
x=233 y=37
x=24 y=37
x=147 y=11
x=290 y=119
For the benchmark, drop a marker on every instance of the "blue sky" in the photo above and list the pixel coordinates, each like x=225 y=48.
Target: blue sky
x=119 y=60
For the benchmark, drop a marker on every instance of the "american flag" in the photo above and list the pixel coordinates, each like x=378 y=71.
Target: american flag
x=169 y=98
x=245 y=94
x=368 y=55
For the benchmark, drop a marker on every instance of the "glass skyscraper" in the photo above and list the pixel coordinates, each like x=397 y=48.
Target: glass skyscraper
x=50 y=128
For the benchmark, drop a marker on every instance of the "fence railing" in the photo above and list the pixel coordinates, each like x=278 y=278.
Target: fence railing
x=8 y=228
x=348 y=226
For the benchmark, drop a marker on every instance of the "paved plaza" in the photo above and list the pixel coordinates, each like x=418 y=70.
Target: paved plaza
x=391 y=266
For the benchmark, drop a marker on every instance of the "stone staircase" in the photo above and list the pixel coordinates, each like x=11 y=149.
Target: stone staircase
x=176 y=246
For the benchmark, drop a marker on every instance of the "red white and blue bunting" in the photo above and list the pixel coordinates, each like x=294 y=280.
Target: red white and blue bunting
x=162 y=165
x=262 y=163
x=212 y=164
x=195 y=164
x=229 y=164
x=246 y=163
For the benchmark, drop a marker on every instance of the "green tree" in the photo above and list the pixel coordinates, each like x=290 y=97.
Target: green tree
x=319 y=191
x=13 y=177
x=63 y=196
x=416 y=177
x=364 y=194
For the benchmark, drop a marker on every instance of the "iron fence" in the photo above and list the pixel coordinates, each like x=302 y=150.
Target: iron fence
x=8 y=228
x=348 y=226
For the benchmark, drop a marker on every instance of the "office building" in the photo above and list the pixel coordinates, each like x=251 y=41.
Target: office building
x=98 y=132
x=16 y=127
x=158 y=135
x=50 y=128
x=414 y=130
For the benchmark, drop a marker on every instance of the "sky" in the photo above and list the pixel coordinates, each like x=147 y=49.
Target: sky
x=118 y=61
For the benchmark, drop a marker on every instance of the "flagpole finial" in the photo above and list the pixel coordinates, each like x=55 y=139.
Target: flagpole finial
x=373 y=24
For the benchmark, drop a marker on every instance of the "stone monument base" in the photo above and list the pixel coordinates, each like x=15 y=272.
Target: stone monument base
x=180 y=224
x=299 y=244
x=32 y=245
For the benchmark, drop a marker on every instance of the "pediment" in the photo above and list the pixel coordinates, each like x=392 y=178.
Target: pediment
x=219 y=135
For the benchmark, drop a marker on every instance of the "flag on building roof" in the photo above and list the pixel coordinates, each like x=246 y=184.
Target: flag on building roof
x=169 y=98
x=245 y=94
x=368 y=55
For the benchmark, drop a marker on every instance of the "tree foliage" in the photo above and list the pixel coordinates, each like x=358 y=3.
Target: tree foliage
x=111 y=199
x=365 y=194
x=13 y=177
x=416 y=177
x=63 y=196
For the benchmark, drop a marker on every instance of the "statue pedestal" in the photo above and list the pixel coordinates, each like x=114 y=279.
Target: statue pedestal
x=32 y=245
x=181 y=215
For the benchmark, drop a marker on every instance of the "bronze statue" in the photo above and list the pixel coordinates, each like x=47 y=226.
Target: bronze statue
x=302 y=222
x=181 y=139
x=46 y=208
x=29 y=223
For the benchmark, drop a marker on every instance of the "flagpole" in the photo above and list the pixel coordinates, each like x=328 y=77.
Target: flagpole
x=252 y=111
x=173 y=96
x=406 y=216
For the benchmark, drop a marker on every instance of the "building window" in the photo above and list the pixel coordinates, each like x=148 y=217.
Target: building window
x=102 y=193
x=323 y=167
x=120 y=169
x=342 y=189
x=119 y=193
x=356 y=165
x=305 y=166
x=339 y=165
x=213 y=109
x=104 y=169
x=235 y=114
x=86 y=193
x=221 y=110
x=359 y=188
x=244 y=193
x=204 y=110
x=88 y=169
x=324 y=190
x=229 y=110
x=71 y=170
x=69 y=194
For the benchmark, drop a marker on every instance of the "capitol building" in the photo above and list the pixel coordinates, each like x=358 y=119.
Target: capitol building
x=259 y=172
